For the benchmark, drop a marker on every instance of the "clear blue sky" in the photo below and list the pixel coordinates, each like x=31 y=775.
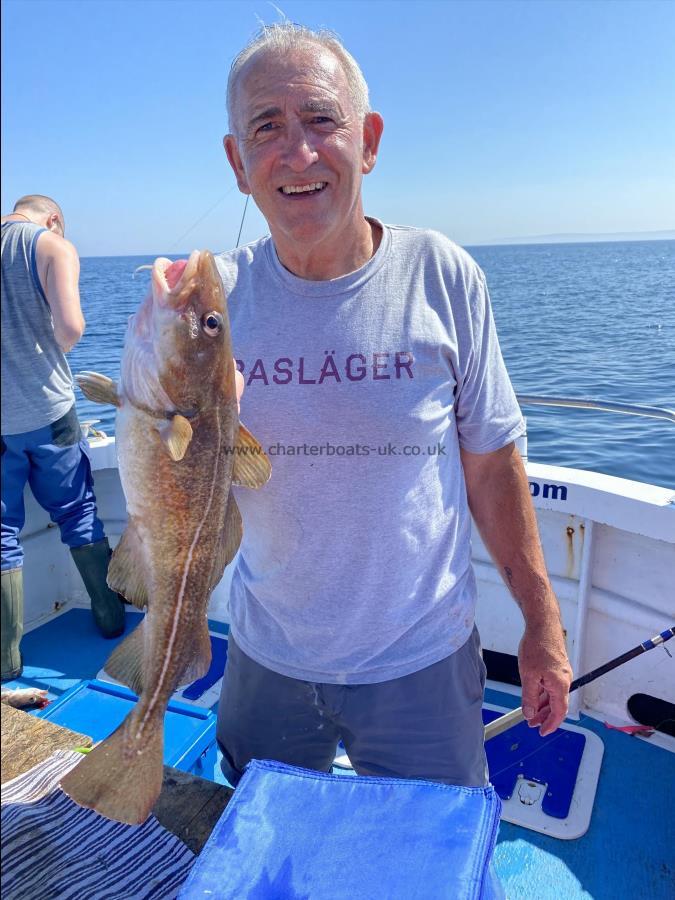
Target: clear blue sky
x=502 y=119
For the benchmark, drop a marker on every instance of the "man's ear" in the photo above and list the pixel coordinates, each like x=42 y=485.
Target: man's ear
x=373 y=126
x=234 y=159
x=53 y=223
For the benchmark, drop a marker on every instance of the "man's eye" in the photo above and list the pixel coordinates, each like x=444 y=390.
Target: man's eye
x=321 y=120
x=268 y=126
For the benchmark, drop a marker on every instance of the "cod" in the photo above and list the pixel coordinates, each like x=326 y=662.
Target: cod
x=180 y=447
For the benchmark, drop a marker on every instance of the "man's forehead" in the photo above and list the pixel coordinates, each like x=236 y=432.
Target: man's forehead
x=312 y=74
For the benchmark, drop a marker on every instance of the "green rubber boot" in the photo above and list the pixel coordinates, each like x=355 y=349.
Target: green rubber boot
x=12 y=623
x=107 y=607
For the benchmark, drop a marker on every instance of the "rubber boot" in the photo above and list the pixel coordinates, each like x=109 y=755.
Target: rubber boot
x=107 y=607
x=12 y=623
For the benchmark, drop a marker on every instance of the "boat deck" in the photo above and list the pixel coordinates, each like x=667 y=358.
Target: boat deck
x=626 y=852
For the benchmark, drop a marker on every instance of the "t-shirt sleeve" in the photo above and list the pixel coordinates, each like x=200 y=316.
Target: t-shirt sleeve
x=487 y=412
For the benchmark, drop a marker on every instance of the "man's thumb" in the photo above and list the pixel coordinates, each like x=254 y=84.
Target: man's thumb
x=530 y=699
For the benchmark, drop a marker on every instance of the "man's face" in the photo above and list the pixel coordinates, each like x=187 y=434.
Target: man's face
x=300 y=149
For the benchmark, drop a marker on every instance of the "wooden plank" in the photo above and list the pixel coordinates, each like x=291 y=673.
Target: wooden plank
x=28 y=740
x=188 y=806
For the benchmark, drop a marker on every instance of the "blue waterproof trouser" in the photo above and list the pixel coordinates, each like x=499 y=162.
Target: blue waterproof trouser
x=54 y=462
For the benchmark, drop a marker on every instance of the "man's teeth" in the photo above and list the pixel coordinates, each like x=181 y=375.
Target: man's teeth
x=303 y=188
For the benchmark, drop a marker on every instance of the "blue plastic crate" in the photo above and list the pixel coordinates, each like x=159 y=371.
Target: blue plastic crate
x=96 y=708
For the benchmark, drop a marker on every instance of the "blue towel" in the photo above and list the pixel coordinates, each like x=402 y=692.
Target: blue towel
x=295 y=834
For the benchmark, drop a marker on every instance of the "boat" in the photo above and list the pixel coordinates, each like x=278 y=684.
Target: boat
x=587 y=812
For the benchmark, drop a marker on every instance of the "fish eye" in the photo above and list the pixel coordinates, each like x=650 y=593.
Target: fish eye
x=212 y=323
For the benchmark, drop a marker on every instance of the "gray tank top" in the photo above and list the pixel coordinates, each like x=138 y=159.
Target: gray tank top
x=37 y=386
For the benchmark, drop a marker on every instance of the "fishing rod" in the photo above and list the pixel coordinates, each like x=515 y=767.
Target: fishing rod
x=497 y=726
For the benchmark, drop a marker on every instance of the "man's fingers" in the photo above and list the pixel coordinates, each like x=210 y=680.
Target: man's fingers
x=531 y=692
x=238 y=381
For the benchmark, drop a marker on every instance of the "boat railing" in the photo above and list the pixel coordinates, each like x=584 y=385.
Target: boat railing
x=629 y=409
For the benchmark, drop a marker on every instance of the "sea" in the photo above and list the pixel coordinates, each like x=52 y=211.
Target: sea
x=580 y=320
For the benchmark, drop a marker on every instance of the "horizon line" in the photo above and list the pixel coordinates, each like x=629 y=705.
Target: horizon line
x=617 y=237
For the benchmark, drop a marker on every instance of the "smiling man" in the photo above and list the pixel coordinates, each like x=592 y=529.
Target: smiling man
x=374 y=375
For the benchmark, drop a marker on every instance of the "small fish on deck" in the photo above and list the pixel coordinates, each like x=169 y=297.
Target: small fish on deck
x=20 y=698
x=180 y=446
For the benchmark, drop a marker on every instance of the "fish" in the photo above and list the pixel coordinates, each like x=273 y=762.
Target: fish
x=22 y=697
x=180 y=447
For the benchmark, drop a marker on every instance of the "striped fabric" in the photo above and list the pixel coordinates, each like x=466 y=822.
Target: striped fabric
x=52 y=848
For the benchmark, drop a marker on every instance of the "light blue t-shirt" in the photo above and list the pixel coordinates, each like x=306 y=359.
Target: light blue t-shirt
x=355 y=566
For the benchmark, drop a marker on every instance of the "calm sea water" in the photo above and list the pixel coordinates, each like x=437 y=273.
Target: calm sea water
x=579 y=320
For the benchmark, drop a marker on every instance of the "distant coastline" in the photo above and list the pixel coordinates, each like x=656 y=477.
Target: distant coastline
x=617 y=238
x=591 y=238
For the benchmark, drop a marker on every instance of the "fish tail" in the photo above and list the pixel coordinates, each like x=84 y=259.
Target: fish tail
x=121 y=778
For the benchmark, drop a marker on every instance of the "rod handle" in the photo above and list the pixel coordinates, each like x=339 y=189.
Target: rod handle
x=503 y=723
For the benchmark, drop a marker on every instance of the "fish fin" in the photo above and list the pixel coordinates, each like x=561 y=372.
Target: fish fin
x=125 y=572
x=121 y=778
x=200 y=661
x=176 y=435
x=125 y=663
x=232 y=533
x=98 y=388
x=252 y=467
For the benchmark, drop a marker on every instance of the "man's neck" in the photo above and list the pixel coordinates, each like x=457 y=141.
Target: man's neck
x=16 y=217
x=325 y=263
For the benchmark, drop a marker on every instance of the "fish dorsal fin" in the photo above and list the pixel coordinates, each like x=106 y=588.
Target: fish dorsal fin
x=251 y=468
x=231 y=535
x=98 y=388
x=200 y=659
x=125 y=572
x=176 y=435
x=125 y=663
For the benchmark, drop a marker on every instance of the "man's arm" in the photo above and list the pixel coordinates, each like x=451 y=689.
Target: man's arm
x=499 y=499
x=59 y=271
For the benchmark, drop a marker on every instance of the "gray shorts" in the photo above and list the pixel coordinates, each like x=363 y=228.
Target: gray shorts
x=424 y=725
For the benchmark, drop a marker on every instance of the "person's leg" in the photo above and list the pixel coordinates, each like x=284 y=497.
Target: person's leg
x=15 y=467
x=61 y=481
x=425 y=725
x=264 y=715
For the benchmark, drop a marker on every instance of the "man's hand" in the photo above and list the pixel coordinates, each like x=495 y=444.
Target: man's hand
x=545 y=674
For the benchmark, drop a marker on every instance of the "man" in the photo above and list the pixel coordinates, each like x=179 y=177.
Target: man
x=42 y=443
x=374 y=376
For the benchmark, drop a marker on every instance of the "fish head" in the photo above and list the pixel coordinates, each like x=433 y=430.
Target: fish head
x=178 y=352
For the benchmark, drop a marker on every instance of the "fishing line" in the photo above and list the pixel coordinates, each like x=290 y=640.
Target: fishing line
x=201 y=219
x=242 y=219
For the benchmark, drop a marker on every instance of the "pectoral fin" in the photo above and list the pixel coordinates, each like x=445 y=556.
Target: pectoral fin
x=98 y=388
x=176 y=435
x=125 y=572
x=252 y=467
x=125 y=663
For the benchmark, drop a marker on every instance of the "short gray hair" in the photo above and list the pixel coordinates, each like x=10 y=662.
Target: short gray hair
x=285 y=36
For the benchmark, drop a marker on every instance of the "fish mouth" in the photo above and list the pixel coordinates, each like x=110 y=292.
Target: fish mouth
x=175 y=282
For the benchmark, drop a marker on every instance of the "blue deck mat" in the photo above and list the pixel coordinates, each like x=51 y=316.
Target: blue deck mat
x=552 y=760
x=628 y=850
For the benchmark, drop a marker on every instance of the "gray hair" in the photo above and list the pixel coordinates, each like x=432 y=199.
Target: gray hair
x=283 y=37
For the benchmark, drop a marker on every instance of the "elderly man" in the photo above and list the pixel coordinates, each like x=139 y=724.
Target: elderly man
x=41 y=439
x=374 y=375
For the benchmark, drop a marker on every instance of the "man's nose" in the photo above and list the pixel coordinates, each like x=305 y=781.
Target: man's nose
x=299 y=152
